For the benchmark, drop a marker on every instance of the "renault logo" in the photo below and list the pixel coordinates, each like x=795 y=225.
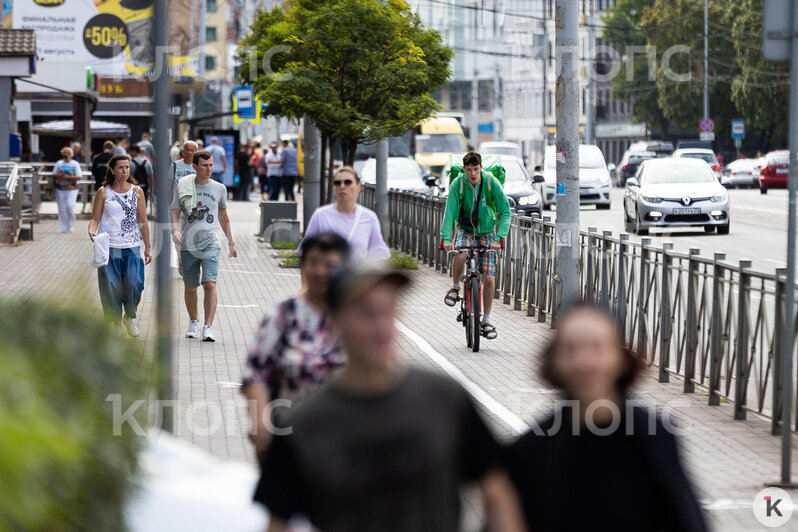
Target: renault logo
x=686 y=200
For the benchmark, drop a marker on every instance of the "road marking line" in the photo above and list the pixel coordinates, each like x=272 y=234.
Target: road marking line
x=499 y=410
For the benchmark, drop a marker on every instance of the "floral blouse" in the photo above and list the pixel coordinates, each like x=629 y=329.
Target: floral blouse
x=294 y=351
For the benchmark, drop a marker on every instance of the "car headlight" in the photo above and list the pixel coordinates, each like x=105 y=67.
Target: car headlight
x=720 y=197
x=604 y=178
x=652 y=199
x=532 y=199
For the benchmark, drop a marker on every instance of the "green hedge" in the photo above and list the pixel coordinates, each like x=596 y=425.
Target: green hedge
x=62 y=467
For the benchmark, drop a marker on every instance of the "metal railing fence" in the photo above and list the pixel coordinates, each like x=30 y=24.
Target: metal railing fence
x=716 y=325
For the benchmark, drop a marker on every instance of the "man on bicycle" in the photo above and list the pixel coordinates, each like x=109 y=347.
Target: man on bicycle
x=478 y=205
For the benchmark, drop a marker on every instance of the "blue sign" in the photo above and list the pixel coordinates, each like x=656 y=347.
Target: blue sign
x=707 y=125
x=485 y=127
x=245 y=102
x=738 y=129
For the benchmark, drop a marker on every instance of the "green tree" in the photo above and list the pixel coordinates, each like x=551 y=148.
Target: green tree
x=362 y=70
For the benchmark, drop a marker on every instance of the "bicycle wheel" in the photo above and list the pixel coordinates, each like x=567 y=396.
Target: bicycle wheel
x=474 y=312
x=466 y=312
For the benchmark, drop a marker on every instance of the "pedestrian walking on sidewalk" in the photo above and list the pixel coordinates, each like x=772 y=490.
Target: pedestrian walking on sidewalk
x=99 y=165
x=290 y=170
x=67 y=173
x=263 y=175
x=356 y=223
x=382 y=446
x=274 y=168
x=619 y=461
x=142 y=171
x=244 y=171
x=295 y=349
x=199 y=211
x=119 y=211
x=219 y=160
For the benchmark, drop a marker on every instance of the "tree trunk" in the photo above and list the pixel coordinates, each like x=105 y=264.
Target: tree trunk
x=330 y=176
x=349 y=147
x=322 y=169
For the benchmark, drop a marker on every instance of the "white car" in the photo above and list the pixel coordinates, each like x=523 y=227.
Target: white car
x=500 y=148
x=705 y=155
x=595 y=186
x=744 y=172
x=404 y=173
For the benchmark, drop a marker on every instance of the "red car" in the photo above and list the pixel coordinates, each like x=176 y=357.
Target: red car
x=775 y=171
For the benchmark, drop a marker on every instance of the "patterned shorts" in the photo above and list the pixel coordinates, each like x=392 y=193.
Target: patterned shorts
x=487 y=263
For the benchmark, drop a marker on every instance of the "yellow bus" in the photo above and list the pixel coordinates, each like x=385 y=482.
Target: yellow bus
x=436 y=138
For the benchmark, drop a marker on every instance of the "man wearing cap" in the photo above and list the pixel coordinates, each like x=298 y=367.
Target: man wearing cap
x=383 y=446
x=219 y=160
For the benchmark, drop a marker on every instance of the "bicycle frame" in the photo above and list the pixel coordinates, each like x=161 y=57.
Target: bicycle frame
x=470 y=304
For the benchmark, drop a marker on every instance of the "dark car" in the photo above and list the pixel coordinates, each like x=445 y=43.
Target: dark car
x=775 y=171
x=628 y=166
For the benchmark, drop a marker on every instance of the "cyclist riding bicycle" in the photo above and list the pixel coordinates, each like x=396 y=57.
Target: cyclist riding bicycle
x=478 y=205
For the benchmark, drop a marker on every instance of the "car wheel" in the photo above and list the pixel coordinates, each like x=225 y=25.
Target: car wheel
x=724 y=229
x=639 y=230
x=763 y=190
x=709 y=228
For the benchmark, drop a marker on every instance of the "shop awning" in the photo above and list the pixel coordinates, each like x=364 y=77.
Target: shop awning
x=65 y=128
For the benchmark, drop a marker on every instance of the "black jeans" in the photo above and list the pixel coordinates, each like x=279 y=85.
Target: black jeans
x=288 y=187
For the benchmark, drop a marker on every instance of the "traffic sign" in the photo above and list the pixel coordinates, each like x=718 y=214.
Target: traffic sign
x=245 y=108
x=707 y=136
x=707 y=125
x=738 y=129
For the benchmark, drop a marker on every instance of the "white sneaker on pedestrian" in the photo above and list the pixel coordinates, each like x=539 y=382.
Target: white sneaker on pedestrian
x=207 y=334
x=193 y=329
x=130 y=325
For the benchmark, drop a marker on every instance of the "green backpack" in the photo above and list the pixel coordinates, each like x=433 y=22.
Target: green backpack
x=491 y=165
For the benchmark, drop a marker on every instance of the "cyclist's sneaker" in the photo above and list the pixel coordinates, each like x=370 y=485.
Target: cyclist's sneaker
x=489 y=330
x=193 y=329
x=452 y=296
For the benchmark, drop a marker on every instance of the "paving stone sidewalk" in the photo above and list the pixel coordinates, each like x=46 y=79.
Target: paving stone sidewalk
x=728 y=460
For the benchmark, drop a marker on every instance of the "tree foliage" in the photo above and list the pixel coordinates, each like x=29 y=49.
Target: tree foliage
x=362 y=70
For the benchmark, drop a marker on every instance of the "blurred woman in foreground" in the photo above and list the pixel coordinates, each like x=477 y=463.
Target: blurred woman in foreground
x=599 y=463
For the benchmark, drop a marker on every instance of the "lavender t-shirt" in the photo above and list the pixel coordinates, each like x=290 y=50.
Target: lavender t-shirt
x=366 y=239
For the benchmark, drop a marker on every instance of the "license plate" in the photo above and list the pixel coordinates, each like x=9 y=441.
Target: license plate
x=782 y=170
x=686 y=211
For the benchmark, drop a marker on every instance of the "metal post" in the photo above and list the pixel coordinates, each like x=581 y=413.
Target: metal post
x=605 y=269
x=665 y=315
x=590 y=118
x=691 y=328
x=742 y=341
x=706 y=58
x=778 y=353
x=382 y=185
x=567 y=124
x=789 y=292
x=542 y=266
x=642 y=295
x=163 y=188
x=590 y=269
x=311 y=189
x=716 y=338
x=623 y=245
x=474 y=137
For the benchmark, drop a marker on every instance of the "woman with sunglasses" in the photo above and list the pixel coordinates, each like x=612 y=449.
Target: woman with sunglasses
x=357 y=224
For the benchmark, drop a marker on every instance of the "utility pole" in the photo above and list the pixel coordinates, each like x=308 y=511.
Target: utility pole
x=590 y=118
x=311 y=189
x=706 y=58
x=475 y=111
x=163 y=234
x=566 y=228
x=382 y=185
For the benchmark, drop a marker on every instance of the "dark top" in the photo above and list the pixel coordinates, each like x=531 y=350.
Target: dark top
x=242 y=162
x=99 y=166
x=384 y=463
x=629 y=480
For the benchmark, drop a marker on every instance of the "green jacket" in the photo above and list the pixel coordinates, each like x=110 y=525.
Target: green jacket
x=488 y=221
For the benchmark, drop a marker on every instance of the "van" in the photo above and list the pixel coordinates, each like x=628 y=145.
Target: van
x=595 y=187
x=435 y=139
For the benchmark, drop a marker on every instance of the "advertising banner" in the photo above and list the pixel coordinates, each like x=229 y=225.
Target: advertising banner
x=114 y=37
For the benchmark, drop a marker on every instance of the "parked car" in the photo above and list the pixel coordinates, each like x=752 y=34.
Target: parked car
x=706 y=155
x=662 y=148
x=686 y=144
x=595 y=187
x=404 y=173
x=775 y=170
x=743 y=172
x=500 y=148
x=518 y=186
x=675 y=193
x=628 y=165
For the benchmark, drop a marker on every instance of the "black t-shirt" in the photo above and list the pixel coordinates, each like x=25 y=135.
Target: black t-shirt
x=99 y=167
x=242 y=159
x=389 y=463
x=619 y=482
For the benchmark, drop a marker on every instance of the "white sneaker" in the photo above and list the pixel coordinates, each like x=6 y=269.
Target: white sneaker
x=207 y=334
x=130 y=325
x=193 y=329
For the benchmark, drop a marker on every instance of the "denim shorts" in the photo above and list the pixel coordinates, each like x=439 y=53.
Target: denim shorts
x=199 y=268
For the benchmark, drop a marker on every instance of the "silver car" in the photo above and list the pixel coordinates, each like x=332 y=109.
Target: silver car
x=675 y=193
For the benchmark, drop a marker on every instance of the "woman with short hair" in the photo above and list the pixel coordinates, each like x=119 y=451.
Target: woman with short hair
x=67 y=173
x=120 y=211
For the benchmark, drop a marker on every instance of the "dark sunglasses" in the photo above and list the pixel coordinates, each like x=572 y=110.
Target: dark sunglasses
x=345 y=182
